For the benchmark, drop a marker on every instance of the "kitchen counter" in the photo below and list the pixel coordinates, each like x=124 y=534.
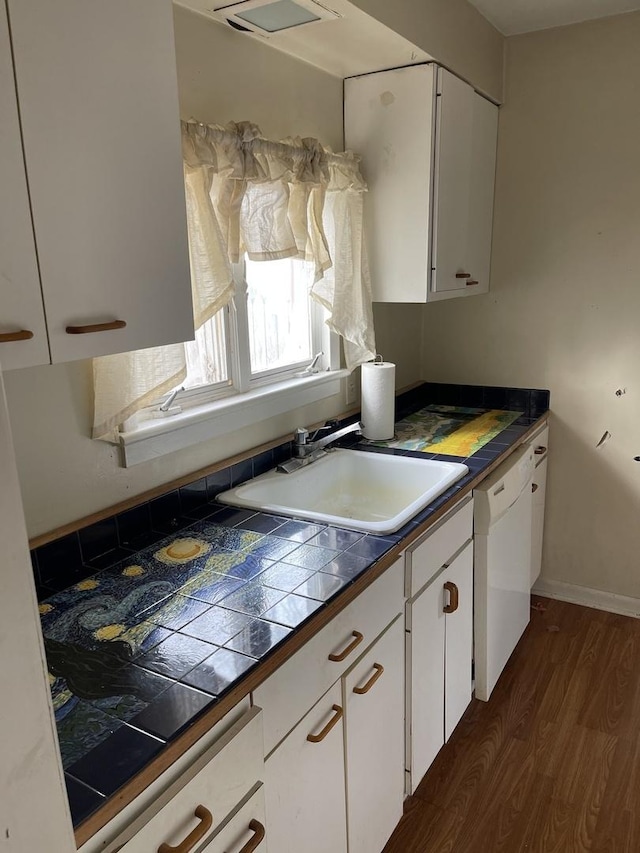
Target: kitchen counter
x=146 y=654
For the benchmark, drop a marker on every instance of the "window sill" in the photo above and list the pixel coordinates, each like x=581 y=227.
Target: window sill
x=153 y=439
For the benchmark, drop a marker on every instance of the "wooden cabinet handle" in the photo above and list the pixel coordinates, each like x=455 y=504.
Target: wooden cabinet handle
x=325 y=731
x=379 y=669
x=471 y=282
x=340 y=656
x=90 y=328
x=540 y=449
x=22 y=335
x=258 y=836
x=206 y=822
x=453 y=600
x=534 y=487
x=463 y=275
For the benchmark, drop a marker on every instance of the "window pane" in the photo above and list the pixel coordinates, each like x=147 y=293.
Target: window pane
x=279 y=313
x=207 y=355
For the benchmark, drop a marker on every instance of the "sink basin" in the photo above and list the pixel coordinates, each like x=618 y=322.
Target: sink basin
x=370 y=492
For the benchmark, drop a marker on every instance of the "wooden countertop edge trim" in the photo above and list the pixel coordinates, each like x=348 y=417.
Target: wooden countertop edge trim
x=254 y=678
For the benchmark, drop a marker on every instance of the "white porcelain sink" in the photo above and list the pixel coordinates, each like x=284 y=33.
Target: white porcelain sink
x=371 y=492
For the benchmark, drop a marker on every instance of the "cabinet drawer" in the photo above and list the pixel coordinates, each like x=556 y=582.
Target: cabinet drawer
x=244 y=830
x=289 y=693
x=439 y=545
x=217 y=781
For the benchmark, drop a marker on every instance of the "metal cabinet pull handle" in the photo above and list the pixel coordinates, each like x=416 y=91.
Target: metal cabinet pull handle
x=540 y=449
x=452 y=589
x=9 y=337
x=471 y=281
x=463 y=275
x=90 y=328
x=258 y=836
x=534 y=487
x=340 y=656
x=325 y=731
x=379 y=669
x=206 y=822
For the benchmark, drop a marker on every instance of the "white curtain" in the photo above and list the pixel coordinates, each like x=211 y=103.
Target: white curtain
x=270 y=200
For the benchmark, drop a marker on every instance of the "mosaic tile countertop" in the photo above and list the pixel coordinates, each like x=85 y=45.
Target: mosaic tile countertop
x=137 y=651
x=450 y=430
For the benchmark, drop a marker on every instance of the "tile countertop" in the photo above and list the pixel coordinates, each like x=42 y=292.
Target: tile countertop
x=152 y=651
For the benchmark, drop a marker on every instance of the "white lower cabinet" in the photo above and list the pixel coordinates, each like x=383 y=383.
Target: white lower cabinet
x=245 y=830
x=373 y=698
x=203 y=801
x=439 y=661
x=305 y=783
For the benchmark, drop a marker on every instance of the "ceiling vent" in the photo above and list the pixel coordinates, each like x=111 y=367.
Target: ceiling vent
x=268 y=17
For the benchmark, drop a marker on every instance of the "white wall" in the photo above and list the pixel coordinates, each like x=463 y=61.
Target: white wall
x=453 y=32
x=564 y=308
x=64 y=475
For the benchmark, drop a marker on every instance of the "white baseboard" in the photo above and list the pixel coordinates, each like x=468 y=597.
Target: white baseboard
x=599 y=599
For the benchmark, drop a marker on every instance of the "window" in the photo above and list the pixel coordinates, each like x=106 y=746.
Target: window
x=270 y=332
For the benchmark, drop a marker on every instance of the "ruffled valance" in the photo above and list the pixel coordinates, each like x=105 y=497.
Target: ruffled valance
x=269 y=200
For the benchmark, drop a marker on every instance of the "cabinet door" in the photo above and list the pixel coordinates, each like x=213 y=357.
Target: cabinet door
x=425 y=677
x=457 y=581
x=484 y=138
x=245 y=830
x=21 y=307
x=389 y=121
x=453 y=165
x=305 y=783
x=98 y=103
x=374 y=713
x=539 y=488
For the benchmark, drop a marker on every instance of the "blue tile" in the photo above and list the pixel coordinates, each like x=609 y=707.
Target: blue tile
x=261 y=523
x=229 y=538
x=218 y=625
x=292 y=610
x=230 y=516
x=311 y=557
x=81 y=728
x=107 y=767
x=132 y=693
x=194 y=496
x=133 y=524
x=172 y=711
x=211 y=587
x=83 y=800
x=219 y=671
x=258 y=638
x=336 y=538
x=176 y=656
x=263 y=462
x=218 y=482
x=166 y=512
x=274 y=547
x=371 y=547
x=241 y=472
x=176 y=611
x=321 y=586
x=98 y=538
x=285 y=577
x=60 y=563
x=253 y=599
x=347 y=565
x=300 y=531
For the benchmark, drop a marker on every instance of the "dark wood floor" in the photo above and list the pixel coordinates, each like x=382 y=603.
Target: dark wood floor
x=552 y=763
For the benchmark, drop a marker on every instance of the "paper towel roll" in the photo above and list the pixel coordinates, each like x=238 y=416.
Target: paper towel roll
x=378 y=400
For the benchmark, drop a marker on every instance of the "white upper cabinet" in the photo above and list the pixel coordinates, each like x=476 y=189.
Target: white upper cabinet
x=23 y=336
x=428 y=147
x=98 y=104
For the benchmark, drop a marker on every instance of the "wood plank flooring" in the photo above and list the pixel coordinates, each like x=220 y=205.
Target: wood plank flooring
x=552 y=763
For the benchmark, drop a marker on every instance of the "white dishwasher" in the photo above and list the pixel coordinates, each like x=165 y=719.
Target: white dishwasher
x=502 y=566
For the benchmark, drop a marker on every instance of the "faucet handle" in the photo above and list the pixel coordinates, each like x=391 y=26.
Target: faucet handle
x=300 y=436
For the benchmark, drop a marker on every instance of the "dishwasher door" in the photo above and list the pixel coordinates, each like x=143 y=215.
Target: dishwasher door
x=502 y=566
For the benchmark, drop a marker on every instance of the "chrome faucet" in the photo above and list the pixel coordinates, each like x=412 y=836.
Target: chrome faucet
x=305 y=452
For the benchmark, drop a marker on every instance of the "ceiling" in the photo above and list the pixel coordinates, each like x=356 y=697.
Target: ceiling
x=354 y=43
x=522 y=16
